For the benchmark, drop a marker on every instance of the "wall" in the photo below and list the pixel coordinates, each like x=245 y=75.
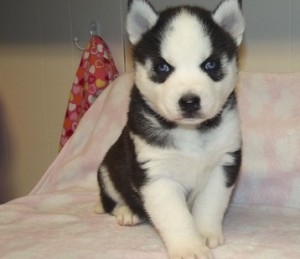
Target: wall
x=38 y=62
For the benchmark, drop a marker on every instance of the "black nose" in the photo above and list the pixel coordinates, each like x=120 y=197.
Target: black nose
x=189 y=103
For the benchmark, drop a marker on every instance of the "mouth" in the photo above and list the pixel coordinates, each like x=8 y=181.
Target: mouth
x=191 y=116
x=192 y=120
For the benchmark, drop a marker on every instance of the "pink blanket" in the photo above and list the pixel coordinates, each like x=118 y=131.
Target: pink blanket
x=57 y=220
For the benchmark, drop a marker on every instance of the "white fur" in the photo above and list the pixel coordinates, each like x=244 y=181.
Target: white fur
x=166 y=204
x=229 y=17
x=194 y=157
x=192 y=170
x=209 y=207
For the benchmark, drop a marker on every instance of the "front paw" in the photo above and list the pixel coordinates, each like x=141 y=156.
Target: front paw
x=190 y=252
x=98 y=208
x=125 y=217
x=213 y=239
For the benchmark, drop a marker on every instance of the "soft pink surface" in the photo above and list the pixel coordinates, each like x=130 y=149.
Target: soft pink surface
x=57 y=220
x=269 y=106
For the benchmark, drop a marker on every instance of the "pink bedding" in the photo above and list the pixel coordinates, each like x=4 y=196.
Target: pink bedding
x=57 y=219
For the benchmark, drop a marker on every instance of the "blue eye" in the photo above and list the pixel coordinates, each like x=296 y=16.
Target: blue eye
x=163 y=68
x=211 y=65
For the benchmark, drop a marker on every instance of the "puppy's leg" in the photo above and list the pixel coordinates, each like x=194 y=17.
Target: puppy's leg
x=112 y=202
x=209 y=208
x=165 y=202
x=123 y=214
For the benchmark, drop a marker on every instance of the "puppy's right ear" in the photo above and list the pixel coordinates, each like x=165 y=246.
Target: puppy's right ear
x=141 y=17
x=229 y=16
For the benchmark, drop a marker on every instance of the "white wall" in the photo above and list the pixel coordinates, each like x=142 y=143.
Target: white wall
x=38 y=62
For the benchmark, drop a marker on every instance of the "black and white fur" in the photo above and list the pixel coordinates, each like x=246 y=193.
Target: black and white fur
x=177 y=159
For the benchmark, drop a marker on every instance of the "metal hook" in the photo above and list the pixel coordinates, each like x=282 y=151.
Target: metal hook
x=76 y=40
x=93 y=32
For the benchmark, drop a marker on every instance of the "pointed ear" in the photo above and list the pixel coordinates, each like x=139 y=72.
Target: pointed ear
x=141 y=17
x=229 y=16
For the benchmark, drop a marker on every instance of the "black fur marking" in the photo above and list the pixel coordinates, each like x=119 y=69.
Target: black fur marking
x=158 y=76
x=211 y=123
x=125 y=173
x=231 y=171
x=148 y=48
x=216 y=74
x=139 y=122
x=226 y=46
x=231 y=102
x=107 y=203
x=216 y=121
x=220 y=48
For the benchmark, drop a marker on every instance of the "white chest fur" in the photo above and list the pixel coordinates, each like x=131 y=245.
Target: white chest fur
x=194 y=154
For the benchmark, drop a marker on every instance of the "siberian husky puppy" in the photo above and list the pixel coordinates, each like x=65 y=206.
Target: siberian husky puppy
x=177 y=159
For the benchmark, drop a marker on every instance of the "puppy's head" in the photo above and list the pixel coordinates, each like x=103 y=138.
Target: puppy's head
x=185 y=57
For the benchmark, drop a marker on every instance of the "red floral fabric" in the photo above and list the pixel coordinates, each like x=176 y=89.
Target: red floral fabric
x=96 y=70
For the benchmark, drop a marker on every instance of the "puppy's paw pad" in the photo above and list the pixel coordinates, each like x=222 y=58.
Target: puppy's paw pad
x=125 y=217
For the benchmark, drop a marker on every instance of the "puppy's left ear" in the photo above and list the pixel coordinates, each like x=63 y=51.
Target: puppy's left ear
x=141 y=17
x=229 y=16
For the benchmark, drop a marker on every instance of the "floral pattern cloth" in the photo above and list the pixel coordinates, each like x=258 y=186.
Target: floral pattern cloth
x=96 y=70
